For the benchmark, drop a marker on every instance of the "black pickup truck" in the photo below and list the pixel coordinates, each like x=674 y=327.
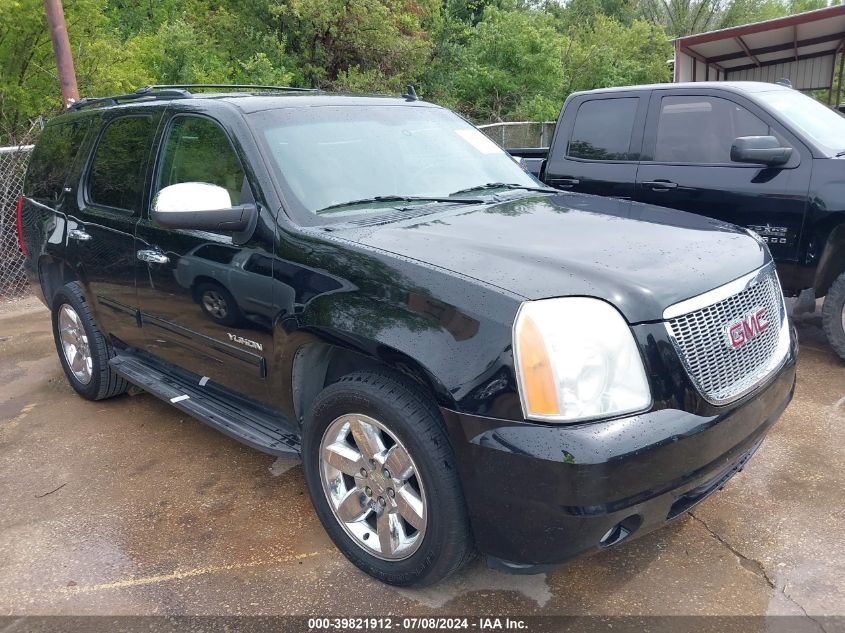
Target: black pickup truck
x=464 y=359
x=759 y=155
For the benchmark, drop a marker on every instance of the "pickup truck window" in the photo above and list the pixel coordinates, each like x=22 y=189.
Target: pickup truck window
x=331 y=155
x=603 y=128
x=823 y=125
x=117 y=174
x=702 y=129
x=198 y=150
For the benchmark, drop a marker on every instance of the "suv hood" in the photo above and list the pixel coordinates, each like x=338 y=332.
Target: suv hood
x=639 y=257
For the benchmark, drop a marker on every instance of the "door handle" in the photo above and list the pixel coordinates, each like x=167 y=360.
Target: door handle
x=660 y=185
x=79 y=235
x=153 y=257
x=564 y=182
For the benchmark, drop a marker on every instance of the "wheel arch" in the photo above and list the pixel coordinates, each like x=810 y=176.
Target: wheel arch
x=832 y=259
x=317 y=364
x=53 y=273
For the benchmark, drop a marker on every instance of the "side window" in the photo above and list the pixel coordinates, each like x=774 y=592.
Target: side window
x=603 y=128
x=197 y=150
x=117 y=172
x=54 y=155
x=702 y=129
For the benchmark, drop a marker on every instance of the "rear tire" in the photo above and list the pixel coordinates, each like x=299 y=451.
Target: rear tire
x=420 y=503
x=833 y=315
x=83 y=350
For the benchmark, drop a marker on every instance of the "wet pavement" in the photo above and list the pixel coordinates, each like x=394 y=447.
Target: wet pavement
x=127 y=506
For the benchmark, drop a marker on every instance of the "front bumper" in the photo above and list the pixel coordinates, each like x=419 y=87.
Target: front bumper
x=539 y=495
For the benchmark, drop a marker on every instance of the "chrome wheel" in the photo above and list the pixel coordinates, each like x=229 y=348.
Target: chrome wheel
x=215 y=304
x=373 y=487
x=75 y=344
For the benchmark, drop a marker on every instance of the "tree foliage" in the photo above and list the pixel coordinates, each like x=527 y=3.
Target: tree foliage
x=490 y=59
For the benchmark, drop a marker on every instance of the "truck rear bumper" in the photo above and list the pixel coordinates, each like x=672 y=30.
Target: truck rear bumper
x=539 y=495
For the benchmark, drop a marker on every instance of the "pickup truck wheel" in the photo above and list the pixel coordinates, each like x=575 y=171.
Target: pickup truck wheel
x=382 y=477
x=833 y=316
x=83 y=350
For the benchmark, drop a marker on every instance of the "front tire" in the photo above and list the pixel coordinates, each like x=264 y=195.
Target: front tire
x=83 y=350
x=383 y=480
x=833 y=316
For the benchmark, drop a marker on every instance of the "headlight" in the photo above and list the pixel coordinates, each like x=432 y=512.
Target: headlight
x=576 y=359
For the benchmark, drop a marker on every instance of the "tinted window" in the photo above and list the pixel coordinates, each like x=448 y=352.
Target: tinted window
x=259 y=264
x=217 y=253
x=702 y=129
x=603 y=129
x=197 y=150
x=53 y=157
x=117 y=174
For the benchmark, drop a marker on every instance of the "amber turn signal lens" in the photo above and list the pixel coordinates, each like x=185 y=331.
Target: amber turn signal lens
x=538 y=378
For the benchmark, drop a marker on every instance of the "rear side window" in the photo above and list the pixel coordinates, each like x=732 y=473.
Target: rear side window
x=702 y=129
x=117 y=172
x=603 y=129
x=54 y=155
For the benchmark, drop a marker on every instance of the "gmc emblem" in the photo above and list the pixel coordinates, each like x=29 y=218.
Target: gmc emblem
x=741 y=331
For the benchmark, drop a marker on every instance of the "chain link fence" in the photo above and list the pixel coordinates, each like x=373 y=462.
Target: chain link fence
x=521 y=134
x=13 y=162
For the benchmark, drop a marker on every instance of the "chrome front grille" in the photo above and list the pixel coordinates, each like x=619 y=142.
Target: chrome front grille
x=705 y=330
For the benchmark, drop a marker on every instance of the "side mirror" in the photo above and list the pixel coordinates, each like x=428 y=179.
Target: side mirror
x=763 y=150
x=199 y=205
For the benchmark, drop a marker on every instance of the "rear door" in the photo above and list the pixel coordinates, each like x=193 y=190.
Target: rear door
x=686 y=165
x=109 y=202
x=596 y=147
x=205 y=306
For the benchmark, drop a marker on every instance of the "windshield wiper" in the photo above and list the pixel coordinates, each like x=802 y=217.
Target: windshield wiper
x=353 y=203
x=504 y=185
x=839 y=154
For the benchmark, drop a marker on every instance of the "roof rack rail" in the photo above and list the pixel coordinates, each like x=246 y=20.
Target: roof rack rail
x=141 y=93
x=157 y=87
x=173 y=91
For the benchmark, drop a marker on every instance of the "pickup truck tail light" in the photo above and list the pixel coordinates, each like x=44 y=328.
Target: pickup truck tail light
x=19 y=225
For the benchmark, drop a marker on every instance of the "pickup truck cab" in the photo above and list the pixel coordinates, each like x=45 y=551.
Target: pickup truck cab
x=464 y=359
x=759 y=155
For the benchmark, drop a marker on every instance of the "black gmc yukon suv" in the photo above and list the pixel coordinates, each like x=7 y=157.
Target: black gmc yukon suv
x=756 y=154
x=462 y=366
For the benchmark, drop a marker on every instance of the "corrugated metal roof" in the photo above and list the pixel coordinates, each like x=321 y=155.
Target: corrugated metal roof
x=799 y=47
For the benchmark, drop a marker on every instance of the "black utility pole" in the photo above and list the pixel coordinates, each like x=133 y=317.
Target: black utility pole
x=61 y=47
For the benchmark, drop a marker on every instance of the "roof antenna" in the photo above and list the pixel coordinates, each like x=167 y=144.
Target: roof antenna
x=411 y=94
x=783 y=81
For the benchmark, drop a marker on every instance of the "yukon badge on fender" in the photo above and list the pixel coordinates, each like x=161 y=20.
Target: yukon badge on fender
x=245 y=341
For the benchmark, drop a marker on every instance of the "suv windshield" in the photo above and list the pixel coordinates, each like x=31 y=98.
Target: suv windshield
x=825 y=126
x=327 y=156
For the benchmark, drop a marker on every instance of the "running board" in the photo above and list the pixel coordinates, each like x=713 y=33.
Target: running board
x=228 y=414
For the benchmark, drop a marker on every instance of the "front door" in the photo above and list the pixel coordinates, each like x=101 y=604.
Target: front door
x=687 y=166
x=204 y=306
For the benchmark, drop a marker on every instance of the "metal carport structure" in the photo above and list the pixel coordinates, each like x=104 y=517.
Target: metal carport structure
x=801 y=48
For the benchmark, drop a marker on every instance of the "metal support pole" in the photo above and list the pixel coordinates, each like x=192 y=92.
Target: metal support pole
x=61 y=47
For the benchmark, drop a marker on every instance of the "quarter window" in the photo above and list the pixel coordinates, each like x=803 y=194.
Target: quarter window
x=53 y=158
x=198 y=150
x=702 y=129
x=117 y=174
x=603 y=128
